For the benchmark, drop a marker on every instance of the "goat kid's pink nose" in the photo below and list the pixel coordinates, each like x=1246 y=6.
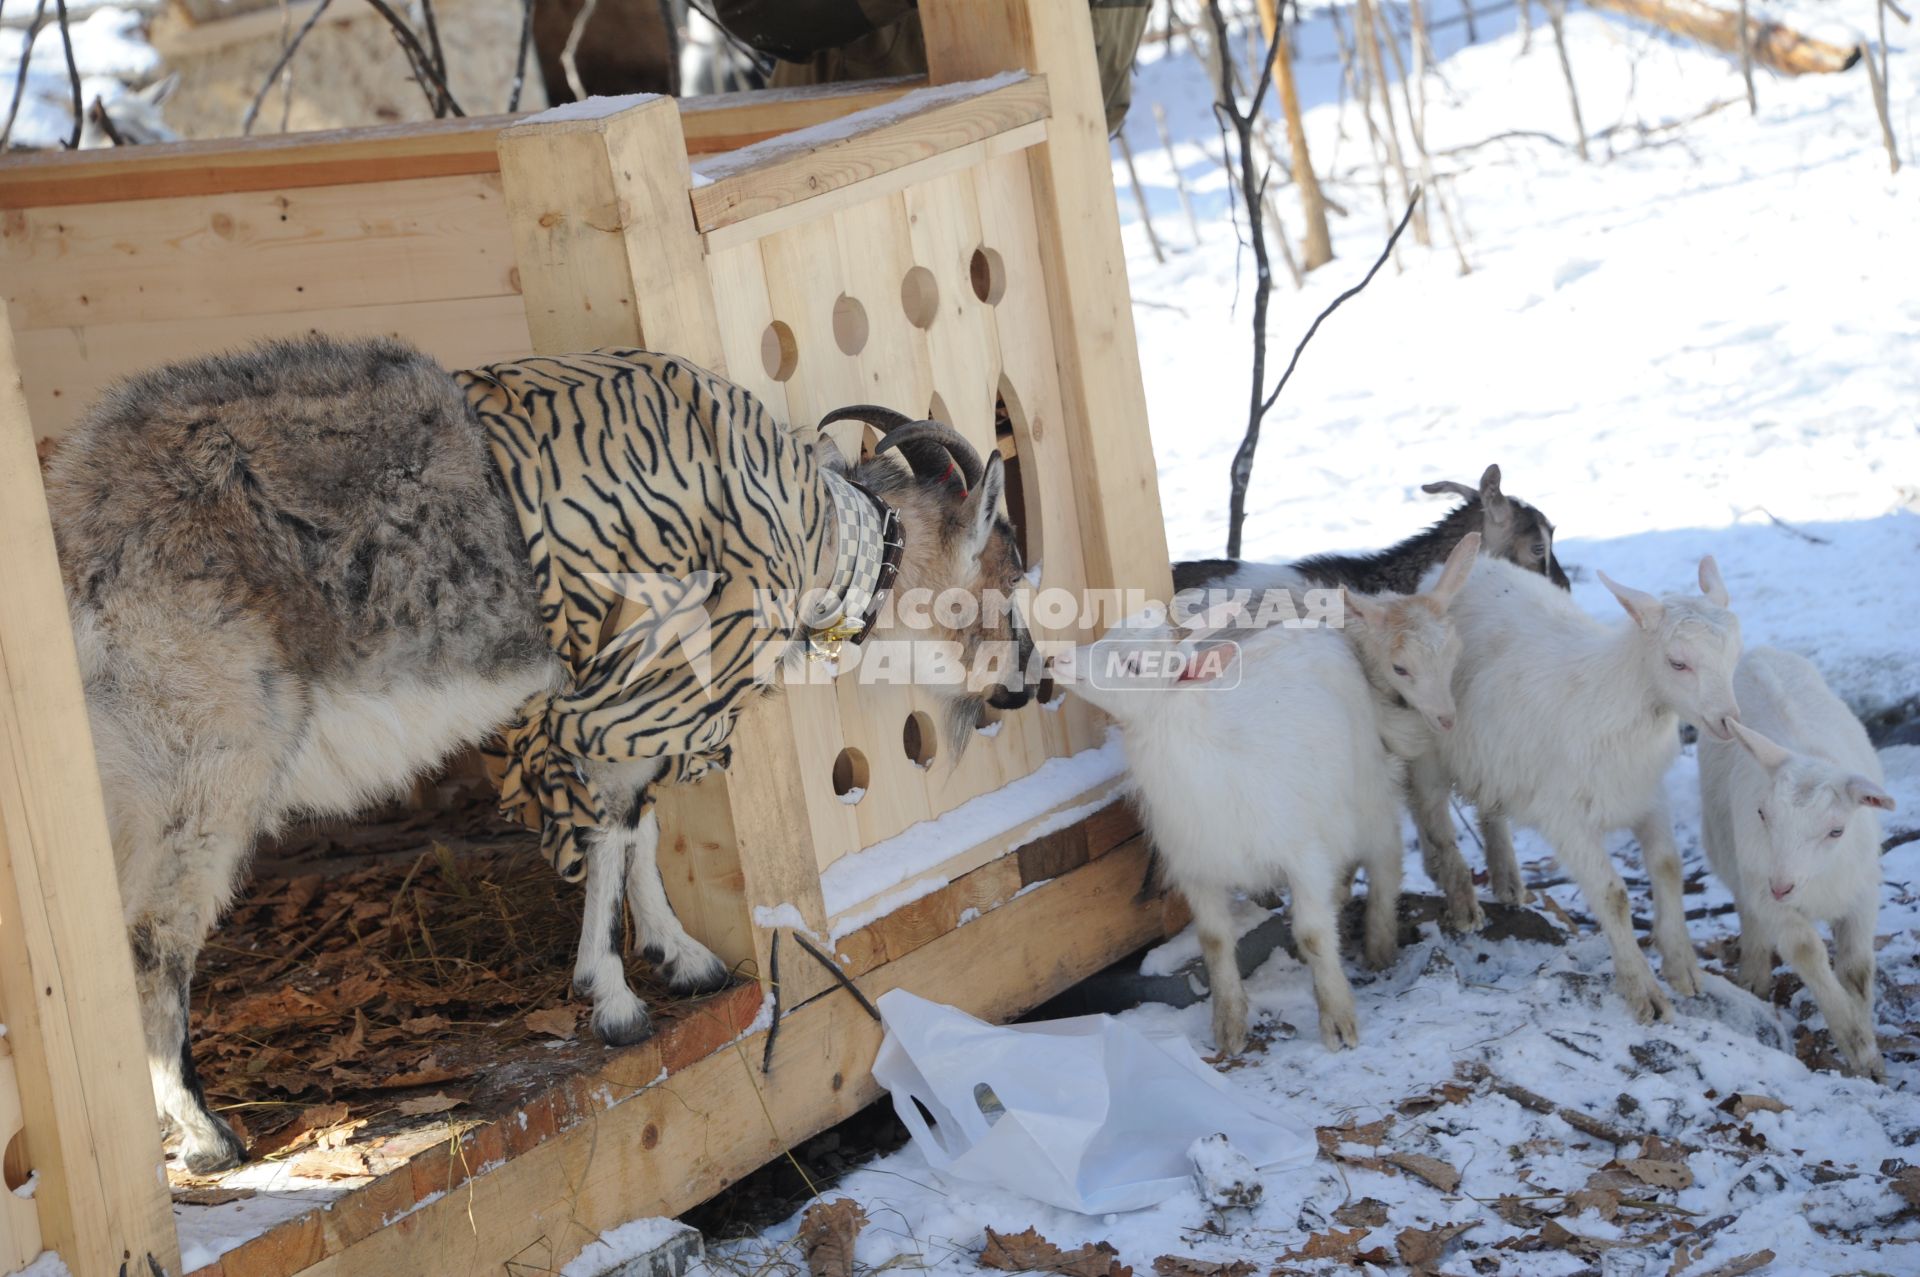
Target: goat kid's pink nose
x=1446 y=722
x=1780 y=892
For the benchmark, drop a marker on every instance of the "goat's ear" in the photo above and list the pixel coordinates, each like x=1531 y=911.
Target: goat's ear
x=1364 y=609
x=157 y=93
x=1710 y=583
x=828 y=453
x=1764 y=751
x=1646 y=610
x=1867 y=794
x=983 y=506
x=1459 y=567
x=1493 y=501
x=1210 y=663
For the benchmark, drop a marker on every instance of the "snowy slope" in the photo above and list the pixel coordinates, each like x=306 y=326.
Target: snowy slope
x=1708 y=329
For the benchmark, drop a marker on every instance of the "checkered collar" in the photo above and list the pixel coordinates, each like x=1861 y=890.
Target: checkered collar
x=866 y=559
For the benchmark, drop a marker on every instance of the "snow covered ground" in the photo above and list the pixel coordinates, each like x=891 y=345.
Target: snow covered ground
x=1706 y=340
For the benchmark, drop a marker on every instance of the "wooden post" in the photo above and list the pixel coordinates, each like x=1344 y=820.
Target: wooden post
x=66 y=976
x=604 y=234
x=1122 y=535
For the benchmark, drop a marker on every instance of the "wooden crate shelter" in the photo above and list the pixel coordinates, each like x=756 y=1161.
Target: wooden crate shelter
x=956 y=252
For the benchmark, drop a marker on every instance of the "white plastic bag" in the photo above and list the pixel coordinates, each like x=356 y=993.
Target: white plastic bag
x=1088 y=1114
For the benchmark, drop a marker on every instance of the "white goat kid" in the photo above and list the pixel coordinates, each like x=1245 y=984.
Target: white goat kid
x=1568 y=725
x=1788 y=821
x=1235 y=804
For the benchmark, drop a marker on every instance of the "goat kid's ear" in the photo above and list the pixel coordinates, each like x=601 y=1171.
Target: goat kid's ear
x=1209 y=662
x=1492 y=500
x=1764 y=750
x=1459 y=567
x=1359 y=606
x=1710 y=583
x=1867 y=794
x=1646 y=610
x=157 y=93
x=983 y=506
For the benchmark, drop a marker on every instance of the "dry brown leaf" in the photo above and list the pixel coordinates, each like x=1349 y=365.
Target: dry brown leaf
x=1673 y=1175
x=1742 y=1266
x=1445 y=1093
x=332 y=1163
x=1430 y=1169
x=424 y=1024
x=1517 y=1211
x=1421 y=1248
x=1604 y=1202
x=556 y=1022
x=827 y=1233
x=1368 y=1212
x=1185 y=1266
x=429 y=1073
x=1907 y=1184
x=1332 y=1244
x=1746 y=1104
x=426 y=1105
x=1028 y=1251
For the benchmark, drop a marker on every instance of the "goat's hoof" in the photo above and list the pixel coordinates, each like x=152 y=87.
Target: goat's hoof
x=1380 y=957
x=218 y=1149
x=1464 y=920
x=1511 y=893
x=1647 y=1003
x=1683 y=977
x=694 y=975
x=623 y=1022
x=1230 y=1034
x=1339 y=1029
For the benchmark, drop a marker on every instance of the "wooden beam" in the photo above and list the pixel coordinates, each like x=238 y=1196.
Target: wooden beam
x=1774 y=45
x=789 y=169
x=66 y=977
x=338 y=157
x=1122 y=536
x=676 y=1144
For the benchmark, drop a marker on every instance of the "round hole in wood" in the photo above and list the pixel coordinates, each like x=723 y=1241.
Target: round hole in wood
x=850 y=775
x=989 y=275
x=18 y=1169
x=920 y=297
x=1013 y=437
x=919 y=739
x=849 y=325
x=779 y=353
x=937 y=410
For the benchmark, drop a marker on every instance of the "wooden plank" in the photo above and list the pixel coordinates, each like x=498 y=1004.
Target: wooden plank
x=386 y=153
x=1099 y=364
x=1774 y=44
x=66 y=977
x=596 y=198
x=788 y=170
x=260 y=252
x=898 y=179
x=66 y=368
x=19 y=1217
x=672 y=1146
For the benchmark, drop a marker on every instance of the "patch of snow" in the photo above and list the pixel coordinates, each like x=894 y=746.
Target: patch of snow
x=617 y=1246
x=45 y=1264
x=29 y=1186
x=880 y=908
x=853 y=795
x=782 y=916
x=595 y=108
x=921 y=847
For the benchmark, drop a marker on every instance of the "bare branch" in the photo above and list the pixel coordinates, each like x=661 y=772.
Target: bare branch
x=20 y=81
x=439 y=97
x=433 y=42
x=1338 y=301
x=572 y=48
x=73 y=73
x=520 y=62
x=286 y=56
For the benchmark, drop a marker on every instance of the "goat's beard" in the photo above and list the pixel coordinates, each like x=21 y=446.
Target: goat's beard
x=963 y=720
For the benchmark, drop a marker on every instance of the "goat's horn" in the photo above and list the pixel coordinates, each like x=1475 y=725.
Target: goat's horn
x=932 y=448
x=1448 y=485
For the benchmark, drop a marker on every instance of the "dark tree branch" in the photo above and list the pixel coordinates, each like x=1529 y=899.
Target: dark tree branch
x=20 y=81
x=520 y=63
x=73 y=73
x=286 y=56
x=1412 y=203
x=433 y=45
x=439 y=97
x=97 y=112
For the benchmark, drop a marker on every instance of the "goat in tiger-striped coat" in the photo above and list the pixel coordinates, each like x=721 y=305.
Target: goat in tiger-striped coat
x=302 y=574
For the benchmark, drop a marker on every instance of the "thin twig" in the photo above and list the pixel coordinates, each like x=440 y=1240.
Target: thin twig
x=286 y=56
x=1140 y=198
x=431 y=82
x=98 y=114
x=572 y=48
x=1378 y=262
x=433 y=42
x=1900 y=840
x=1556 y=13
x=1173 y=163
x=846 y=981
x=773 y=983
x=520 y=62
x=73 y=72
x=20 y=81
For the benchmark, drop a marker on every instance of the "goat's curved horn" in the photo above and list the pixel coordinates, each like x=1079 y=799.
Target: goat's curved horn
x=1448 y=485
x=930 y=447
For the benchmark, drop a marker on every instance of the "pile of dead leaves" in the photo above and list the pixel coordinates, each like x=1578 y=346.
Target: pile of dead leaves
x=329 y=1001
